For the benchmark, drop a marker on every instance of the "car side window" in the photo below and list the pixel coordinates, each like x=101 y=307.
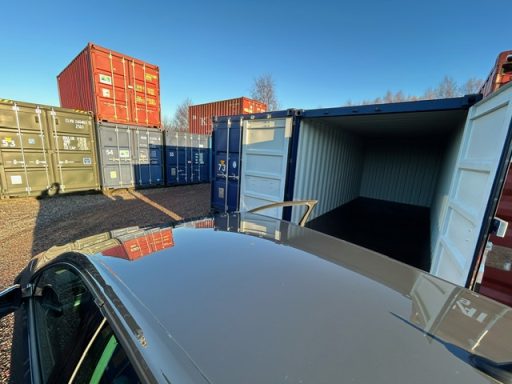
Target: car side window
x=105 y=362
x=66 y=318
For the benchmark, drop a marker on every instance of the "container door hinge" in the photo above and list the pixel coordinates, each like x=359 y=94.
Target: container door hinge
x=498 y=227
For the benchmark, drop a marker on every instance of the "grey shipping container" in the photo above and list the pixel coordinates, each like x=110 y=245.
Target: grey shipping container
x=417 y=181
x=130 y=156
x=46 y=150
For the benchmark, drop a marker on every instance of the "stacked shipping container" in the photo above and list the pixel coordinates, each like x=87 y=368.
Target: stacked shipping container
x=117 y=88
x=200 y=116
x=124 y=94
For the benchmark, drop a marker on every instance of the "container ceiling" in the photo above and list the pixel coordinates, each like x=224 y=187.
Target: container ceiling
x=402 y=125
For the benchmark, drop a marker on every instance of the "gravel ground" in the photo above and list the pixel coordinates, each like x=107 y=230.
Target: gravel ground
x=30 y=226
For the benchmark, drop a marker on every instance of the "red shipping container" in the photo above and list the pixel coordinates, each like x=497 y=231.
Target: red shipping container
x=200 y=116
x=501 y=74
x=117 y=88
x=136 y=247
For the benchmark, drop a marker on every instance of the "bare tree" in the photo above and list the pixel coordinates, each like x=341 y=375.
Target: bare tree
x=447 y=88
x=167 y=122
x=180 y=120
x=263 y=90
x=471 y=86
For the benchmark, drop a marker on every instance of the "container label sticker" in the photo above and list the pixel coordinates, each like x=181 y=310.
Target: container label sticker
x=124 y=153
x=171 y=154
x=113 y=174
x=79 y=124
x=150 y=77
x=16 y=180
x=105 y=92
x=173 y=171
x=87 y=161
x=233 y=164
x=8 y=142
x=221 y=193
x=153 y=153
x=105 y=79
x=151 y=102
x=32 y=141
x=222 y=166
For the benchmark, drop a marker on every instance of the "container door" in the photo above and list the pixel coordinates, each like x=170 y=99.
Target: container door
x=226 y=165
x=116 y=149
x=264 y=163
x=144 y=93
x=73 y=150
x=483 y=155
x=25 y=166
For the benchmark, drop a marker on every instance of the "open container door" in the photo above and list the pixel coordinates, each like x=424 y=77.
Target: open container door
x=474 y=188
x=265 y=146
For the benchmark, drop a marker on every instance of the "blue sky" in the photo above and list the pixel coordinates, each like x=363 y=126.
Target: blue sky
x=320 y=53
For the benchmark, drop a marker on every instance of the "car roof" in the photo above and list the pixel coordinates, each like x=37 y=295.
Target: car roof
x=247 y=298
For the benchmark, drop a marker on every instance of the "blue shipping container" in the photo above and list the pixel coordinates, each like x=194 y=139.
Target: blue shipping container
x=187 y=158
x=226 y=145
x=148 y=151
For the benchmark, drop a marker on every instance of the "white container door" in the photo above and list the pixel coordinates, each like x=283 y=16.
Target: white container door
x=265 y=146
x=479 y=158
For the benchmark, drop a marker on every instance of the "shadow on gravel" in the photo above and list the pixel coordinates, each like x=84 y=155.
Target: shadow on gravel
x=66 y=218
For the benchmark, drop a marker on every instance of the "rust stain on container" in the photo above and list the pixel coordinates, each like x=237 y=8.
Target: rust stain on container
x=117 y=88
x=200 y=116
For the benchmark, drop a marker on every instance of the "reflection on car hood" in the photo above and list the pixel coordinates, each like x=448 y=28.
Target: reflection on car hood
x=254 y=299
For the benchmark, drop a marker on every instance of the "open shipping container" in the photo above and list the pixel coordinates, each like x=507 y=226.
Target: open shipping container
x=130 y=156
x=416 y=181
x=46 y=150
x=117 y=88
x=187 y=158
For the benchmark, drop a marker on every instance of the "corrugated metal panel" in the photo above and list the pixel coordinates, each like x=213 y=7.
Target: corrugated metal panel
x=187 y=158
x=226 y=145
x=45 y=149
x=148 y=150
x=116 y=87
x=116 y=148
x=200 y=116
x=401 y=171
x=329 y=167
x=73 y=147
x=501 y=74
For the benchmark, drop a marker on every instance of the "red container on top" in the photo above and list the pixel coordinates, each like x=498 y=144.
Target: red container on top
x=117 y=88
x=200 y=116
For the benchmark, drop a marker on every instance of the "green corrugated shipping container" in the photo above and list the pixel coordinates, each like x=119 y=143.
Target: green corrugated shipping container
x=46 y=150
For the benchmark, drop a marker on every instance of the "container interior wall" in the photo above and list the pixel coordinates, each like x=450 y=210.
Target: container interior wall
x=337 y=167
x=402 y=171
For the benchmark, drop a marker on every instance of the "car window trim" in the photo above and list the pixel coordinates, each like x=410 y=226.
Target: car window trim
x=106 y=308
x=87 y=348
